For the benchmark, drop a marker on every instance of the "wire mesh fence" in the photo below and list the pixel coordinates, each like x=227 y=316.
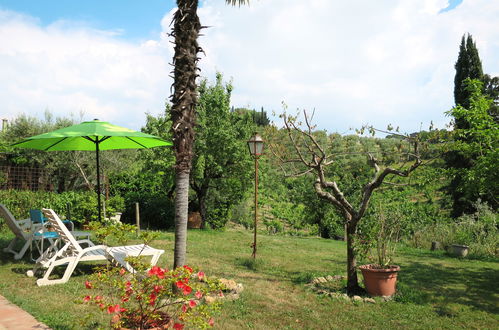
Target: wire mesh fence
x=25 y=178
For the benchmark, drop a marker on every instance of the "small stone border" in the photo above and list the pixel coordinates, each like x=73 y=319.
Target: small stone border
x=231 y=291
x=315 y=285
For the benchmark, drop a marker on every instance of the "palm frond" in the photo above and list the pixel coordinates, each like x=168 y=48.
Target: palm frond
x=238 y=2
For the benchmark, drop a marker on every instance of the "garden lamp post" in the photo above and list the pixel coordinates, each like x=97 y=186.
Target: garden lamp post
x=255 y=145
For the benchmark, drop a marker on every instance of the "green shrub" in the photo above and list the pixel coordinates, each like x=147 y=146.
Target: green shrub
x=217 y=214
x=273 y=226
x=156 y=209
x=479 y=231
x=242 y=214
x=83 y=205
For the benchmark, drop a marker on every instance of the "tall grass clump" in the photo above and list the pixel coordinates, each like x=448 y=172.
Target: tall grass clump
x=479 y=231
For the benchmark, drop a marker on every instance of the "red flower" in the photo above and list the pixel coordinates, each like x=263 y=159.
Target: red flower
x=199 y=294
x=128 y=284
x=211 y=322
x=187 y=289
x=179 y=284
x=192 y=304
x=158 y=288
x=184 y=308
x=114 y=309
x=155 y=270
x=101 y=306
x=188 y=268
x=98 y=298
x=125 y=299
x=122 y=271
x=201 y=276
x=88 y=285
x=87 y=299
x=221 y=294
x=178 y=326
x=152 y=299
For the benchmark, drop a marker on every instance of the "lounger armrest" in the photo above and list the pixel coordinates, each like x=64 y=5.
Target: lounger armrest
x=24 y=223
x=70 y=223
x=95 y=247
x=87 y=241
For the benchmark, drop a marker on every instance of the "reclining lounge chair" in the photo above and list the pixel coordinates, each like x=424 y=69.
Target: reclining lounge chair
x=30 y=233
x=72 y=253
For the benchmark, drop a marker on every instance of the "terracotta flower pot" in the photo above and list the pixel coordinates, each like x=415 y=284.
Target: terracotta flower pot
x=380 y=281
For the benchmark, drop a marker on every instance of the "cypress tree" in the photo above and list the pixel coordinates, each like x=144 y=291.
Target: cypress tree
x=468 y=65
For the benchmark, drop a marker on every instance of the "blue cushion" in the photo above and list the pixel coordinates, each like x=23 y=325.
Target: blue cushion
x=48 y=234
x=36 y=216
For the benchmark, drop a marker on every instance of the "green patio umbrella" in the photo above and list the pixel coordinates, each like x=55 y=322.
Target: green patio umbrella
x=93 y=135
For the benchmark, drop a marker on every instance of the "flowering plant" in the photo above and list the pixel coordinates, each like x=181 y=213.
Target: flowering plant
x=155 y=298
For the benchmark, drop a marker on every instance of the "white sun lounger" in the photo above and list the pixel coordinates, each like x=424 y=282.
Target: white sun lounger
x=30 y=233
x=72 y=253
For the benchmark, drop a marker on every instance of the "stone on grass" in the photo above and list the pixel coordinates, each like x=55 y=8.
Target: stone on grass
x=210 y=299
x=369 y=300
x=357 y=298
x=321 y=280
x=239 y=288
x=230 y=285
x=329 y=278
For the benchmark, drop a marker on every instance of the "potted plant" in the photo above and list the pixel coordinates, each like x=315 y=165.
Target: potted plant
x=462 y=235
x=380 y=276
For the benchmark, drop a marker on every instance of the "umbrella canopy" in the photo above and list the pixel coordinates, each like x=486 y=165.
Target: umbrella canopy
x=87 y=135
x=92 y=135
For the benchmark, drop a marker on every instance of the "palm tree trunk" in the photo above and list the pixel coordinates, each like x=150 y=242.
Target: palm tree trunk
x=181 y=213
x=186 y=28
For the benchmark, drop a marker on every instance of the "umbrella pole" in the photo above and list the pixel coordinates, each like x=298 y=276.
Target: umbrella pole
x=98 y=177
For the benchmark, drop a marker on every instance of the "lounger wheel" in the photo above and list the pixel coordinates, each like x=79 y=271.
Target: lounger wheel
x=30 y=273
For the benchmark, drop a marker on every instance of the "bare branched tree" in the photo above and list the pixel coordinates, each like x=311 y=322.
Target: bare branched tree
x=310 y=156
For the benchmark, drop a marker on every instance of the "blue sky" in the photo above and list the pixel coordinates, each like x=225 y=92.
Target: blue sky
x=134 y=19
x=376 y=62
x=452 y=4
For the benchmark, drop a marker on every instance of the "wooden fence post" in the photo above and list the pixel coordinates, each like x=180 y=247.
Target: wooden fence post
x=137 y=218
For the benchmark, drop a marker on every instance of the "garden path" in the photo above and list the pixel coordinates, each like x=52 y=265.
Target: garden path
x=14 y=318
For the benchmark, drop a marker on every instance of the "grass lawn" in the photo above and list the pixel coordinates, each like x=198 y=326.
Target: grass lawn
x=435 y=291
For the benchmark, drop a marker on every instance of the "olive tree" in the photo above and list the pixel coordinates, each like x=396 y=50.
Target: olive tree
x=310 y=155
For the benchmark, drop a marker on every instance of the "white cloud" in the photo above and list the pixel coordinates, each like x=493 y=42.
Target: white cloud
x=354 y=62
x=67 y=68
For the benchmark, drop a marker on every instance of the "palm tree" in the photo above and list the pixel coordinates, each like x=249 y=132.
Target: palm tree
x=186 y=27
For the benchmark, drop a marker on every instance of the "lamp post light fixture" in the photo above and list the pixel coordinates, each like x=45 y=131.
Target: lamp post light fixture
x=255 y=145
